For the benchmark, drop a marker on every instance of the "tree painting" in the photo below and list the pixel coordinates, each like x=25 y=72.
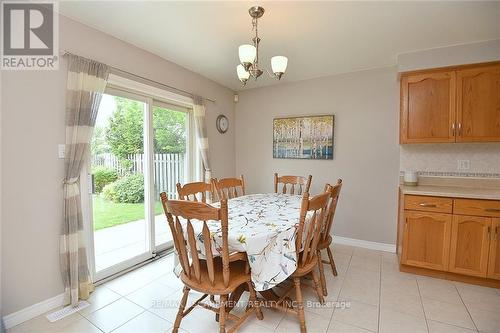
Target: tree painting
x=303 y=137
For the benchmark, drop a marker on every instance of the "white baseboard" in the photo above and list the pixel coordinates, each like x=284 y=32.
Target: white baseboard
x=33 y=311
x=365 y=244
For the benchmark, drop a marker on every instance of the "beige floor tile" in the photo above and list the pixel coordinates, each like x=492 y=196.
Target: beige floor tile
x=114 y=315
x=486 y=321
x=338 y=327
x=314 y=323
x=150 y=294
x=453 y=314
x=312 y=304
x=361 y=285
x=200 y=321
x=41 y=324
x=480 y=297
x=272 y=318
x=395 y=322
x=146 y=322
x=247 y=327
x=437 y=327
x=171 y=281
x=368 y=262
x=402 y=302
x=101 y=297
x=128 y=283
x=362 y=252
x=358 y=314
x=440 y=290
x=168 y=307
x=80 y=326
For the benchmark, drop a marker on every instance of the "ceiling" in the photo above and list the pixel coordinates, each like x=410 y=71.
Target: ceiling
x=319 y=38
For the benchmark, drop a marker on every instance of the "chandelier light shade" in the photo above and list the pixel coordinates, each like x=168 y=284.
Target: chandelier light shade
x=243 y=75
x=278 y=65
x=249 y=54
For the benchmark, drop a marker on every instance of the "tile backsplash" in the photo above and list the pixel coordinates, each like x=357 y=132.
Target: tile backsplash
x=443 y=159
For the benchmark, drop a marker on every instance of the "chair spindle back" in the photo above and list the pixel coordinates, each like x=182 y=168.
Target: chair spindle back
x=332 y=207
x=292 y=184
x=196 y=191
x=229 y=188
x=197 y=213
x=312 y=229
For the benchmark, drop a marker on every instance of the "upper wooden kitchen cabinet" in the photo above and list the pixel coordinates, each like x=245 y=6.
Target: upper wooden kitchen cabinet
x=455 y=104
x=478 y=104
x=428 y=107
x=494 y=264
x=470 y=243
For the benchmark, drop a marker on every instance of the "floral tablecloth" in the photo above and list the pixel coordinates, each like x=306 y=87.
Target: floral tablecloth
x=264 y=226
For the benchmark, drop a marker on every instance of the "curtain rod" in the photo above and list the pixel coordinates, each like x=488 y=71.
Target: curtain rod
x=118 y=70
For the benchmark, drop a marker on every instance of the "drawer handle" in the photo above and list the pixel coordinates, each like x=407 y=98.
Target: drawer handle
x=423 y=204
x=492 y=210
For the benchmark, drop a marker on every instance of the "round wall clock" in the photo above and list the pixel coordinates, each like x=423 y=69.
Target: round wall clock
x=222 y=123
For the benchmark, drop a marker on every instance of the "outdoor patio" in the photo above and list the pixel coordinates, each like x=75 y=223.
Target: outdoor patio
x=121 y=242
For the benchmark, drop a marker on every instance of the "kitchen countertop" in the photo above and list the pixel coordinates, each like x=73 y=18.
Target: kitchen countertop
x=452 y=191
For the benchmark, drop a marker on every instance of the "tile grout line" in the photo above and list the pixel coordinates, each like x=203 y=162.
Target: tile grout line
x=422 y=304
x=340 y=290
x=466 y=308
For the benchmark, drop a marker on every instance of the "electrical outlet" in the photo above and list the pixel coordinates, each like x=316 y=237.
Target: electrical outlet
x=463 y=165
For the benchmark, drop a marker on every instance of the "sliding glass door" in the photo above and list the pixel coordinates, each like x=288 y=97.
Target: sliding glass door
x=140 y=148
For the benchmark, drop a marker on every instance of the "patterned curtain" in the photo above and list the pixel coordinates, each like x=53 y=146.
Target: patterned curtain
x=201 y=135
x=85 y=86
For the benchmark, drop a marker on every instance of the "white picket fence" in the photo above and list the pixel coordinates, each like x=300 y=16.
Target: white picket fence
x=168 y=169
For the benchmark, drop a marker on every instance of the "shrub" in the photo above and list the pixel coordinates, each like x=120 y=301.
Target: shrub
x=129 y=189
x=102 y=177
x=109 y=192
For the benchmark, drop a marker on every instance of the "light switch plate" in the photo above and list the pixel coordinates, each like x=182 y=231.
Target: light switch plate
x=61 y=150
x=463 y=165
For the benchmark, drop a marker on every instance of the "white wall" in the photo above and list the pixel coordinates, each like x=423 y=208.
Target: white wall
x=32 y=126
x=366 y=151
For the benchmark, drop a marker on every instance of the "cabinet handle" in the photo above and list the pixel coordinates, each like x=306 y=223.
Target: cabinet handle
x=423 y=204
x=495 y=235
x=453 y=128
x=459 y=128
x=489 y=232
x=492 y=210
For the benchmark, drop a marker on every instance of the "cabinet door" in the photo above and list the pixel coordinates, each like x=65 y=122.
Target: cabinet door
x=426 y=240
x=470 y=245
x=478 y=104
x=494 y=264
x=428 y=108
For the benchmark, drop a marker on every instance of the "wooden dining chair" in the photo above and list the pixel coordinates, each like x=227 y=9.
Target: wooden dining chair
x=291 y=182
x=228 y=188
x=196 y=191
x=307 y=238
x=326 y=237
x=216 y=273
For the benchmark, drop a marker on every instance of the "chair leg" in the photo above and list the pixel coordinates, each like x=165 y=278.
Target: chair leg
x=332 y=262
x=322 y=274
x=180 y=313
x=317 y=284
x=255 y=303
x=222 y=313
x=300 y=305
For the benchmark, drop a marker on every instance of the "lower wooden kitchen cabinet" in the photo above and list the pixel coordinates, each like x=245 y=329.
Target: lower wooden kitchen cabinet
x=441 y=235
x=470 y=245
x=494 y=263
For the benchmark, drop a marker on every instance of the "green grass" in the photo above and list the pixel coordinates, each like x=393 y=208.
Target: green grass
x=108 y=214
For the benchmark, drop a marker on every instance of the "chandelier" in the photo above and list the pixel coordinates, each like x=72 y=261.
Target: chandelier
x=249 y=54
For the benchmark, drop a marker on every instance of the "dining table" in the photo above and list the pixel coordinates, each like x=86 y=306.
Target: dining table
x=264 y=226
